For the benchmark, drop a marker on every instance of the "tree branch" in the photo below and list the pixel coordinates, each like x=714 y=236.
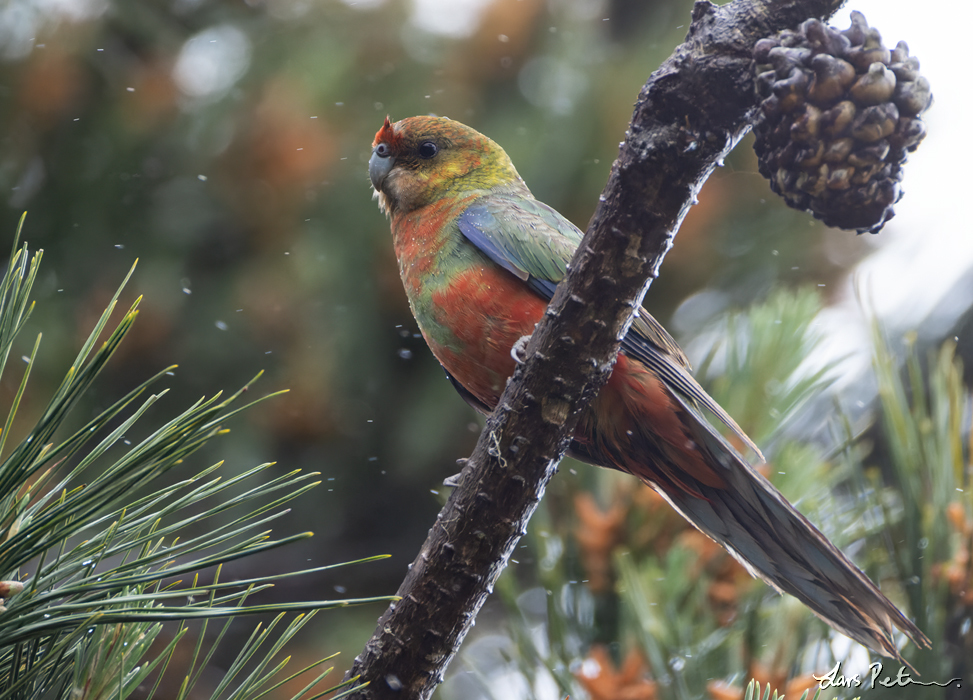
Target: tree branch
x=688 y=116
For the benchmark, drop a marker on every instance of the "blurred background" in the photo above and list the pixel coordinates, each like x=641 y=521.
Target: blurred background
x=224 y=143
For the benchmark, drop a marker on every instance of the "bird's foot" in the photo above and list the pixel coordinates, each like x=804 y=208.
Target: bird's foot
x=519 y=349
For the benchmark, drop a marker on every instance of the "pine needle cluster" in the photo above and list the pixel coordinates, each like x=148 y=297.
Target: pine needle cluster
x=99 y=586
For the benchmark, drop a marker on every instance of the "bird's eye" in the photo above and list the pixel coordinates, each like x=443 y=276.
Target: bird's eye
x=428 y=149
x=382 y=150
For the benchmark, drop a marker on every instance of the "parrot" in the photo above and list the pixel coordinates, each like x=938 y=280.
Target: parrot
x=480 y=257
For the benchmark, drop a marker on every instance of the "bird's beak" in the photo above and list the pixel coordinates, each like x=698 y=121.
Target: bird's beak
x=380 y=164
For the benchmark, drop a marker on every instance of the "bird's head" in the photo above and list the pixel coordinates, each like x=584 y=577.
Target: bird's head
x=419 y=160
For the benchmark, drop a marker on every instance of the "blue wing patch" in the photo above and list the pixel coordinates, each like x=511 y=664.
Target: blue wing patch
x=477 y=224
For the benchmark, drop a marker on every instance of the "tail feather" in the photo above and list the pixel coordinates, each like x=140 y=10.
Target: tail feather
x=744 y=513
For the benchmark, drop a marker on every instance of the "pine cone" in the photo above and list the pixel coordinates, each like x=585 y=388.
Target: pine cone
x=839 y=113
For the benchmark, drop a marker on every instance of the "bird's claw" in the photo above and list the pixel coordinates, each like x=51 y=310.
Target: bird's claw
x=518 y=350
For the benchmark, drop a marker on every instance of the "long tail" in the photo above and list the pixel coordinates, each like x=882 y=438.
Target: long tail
x=640 y=427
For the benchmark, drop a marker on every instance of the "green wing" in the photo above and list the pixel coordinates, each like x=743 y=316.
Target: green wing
x=525 y=237
x=534 y=242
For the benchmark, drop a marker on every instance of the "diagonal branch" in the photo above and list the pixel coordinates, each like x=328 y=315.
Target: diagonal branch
x=688 y=116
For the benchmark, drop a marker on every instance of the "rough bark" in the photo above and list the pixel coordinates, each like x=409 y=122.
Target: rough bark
x=689 y=114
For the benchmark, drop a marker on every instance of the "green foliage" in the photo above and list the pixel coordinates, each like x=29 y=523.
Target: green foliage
x=93 y=532
x=762 y=384
x=920 y=504
x=753 y=692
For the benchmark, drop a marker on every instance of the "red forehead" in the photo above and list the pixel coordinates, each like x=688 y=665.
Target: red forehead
x=387 y=134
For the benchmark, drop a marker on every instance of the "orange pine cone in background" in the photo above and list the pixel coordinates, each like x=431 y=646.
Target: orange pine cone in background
x=604 y=681
x=598 y=533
